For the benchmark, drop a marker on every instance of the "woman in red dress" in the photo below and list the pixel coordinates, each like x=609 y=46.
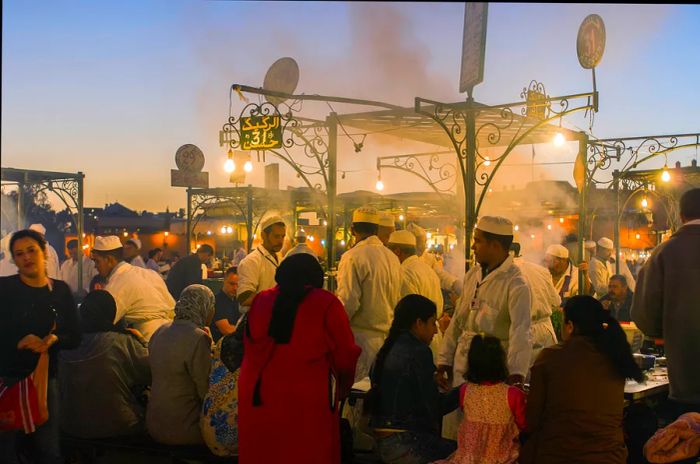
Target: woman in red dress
x=299 y=361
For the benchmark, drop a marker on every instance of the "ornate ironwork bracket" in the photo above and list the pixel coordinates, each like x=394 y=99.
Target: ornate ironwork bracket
x=440 y=175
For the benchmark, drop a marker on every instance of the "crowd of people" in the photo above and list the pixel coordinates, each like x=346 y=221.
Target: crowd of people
x=529 y=367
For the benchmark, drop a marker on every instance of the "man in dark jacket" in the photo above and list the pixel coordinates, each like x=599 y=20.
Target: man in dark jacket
x=666 y=303
x=188 y=271
x=619 y=298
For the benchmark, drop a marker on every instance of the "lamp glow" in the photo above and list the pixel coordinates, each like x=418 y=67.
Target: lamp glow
x=665 y=175
x=229 y=230
x=229 y=166
x=248 y=166
x=342 y=243
x=559 y=139
x=126 y=234
x=532 y=236
x=645 y=202
x=311 y=238
x=487 y=161
x=209 y=232
x=428 y=235
x=549 y=226
x=380 y=185
x=561 y=220
x=637 y=236
x=223 y=230
x=516 y=227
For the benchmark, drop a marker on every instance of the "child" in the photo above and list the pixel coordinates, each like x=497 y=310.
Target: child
x=494 y=413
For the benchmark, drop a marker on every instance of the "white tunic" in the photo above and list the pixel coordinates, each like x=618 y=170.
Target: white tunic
x=369 y=285
x=447 y=280
x=417 y=277
x=545 y=299
x=69 y=273
x=141 y=296
x=256 y=272
x=138 y=261
x=53 y=267
x=573 y=282
x=497 y=305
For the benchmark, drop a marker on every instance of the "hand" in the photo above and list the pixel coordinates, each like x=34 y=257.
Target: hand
x=33 y=343
x=444 y=322
x=444 y=375
x=583 y=266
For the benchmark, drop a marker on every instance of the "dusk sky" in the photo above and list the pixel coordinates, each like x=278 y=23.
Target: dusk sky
x=113 y=88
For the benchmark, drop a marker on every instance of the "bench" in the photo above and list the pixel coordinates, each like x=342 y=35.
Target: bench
x=90 y=449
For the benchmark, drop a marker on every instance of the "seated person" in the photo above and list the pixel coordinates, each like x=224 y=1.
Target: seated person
x=180 y=358
x=494 y=412
x=219 y=421
x=576 y=398
x=618 y=299
x=227 y=313
x=102 y=379
x=404 y=402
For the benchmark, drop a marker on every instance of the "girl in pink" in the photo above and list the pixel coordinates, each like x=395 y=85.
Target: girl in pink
x=494 y=412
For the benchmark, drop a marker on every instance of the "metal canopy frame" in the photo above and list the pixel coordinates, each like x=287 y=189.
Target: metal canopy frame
x=68 y=187
x=624 y=154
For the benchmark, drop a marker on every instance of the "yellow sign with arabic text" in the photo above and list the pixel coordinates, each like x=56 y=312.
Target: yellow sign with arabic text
x=261 y=132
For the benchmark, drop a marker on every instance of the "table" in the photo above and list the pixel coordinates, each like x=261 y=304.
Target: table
x=656 y=384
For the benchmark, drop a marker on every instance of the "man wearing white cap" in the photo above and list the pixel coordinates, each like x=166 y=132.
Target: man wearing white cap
x=53 y=268
x=589 y=249
x=416 y=276
x=386 y=227
x=564 y=273
x=369 y=282
x=495 y=300
x=131 y=252
x=301 y=246
x=257 y=270
x=603 y=267
x=141 y=296
x=447 y=281
x=545 y=300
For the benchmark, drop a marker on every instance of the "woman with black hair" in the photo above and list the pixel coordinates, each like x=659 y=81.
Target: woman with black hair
x=404 y=402
x=574 y=409
x=299 y=362
x=38 y=316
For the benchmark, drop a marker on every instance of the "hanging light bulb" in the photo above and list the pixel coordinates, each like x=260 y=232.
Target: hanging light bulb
x=229 y=165
x=561 y=220
x=549 y=226
x=380 y=185
x=311 y=238
x=645 y=203
x=229 y=230
x=487 y=161
x=516 y=227
x=223 y=230
x=559 y=139
x=665 y=175
x=637 y=236
x=248 y=166
x=401 y=217
x=342 y=243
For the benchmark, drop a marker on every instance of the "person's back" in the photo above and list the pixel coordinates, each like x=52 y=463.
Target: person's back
x=98 y=383
x=582 y=418
x=665 y=305
x=180 y=363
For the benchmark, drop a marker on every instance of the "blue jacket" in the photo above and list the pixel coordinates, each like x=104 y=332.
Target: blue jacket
x=409 y=398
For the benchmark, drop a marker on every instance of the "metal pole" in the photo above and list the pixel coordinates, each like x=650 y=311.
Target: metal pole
x=188 y=237
x=470 y=186
x=332 y=124
x=79 y=228
x=582 y=149
x=249 y=219
x=618 y=214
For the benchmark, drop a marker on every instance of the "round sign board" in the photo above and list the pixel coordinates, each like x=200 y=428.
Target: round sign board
x=590 y=43
x=189 y=158
x=283 y=76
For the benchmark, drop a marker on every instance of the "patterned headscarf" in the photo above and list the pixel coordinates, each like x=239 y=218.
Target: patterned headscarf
x=196 y=304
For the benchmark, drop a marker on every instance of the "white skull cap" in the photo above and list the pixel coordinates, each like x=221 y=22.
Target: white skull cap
x=605 y=242
x=495 y=225
x=270 y=220
x=386 y=220
x=366 y=214
x=108 y=243
x=558 y=251
x=402 y=237
x=39 y=228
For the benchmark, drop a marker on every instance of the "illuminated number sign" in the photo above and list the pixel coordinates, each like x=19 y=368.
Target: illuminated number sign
x=260 y=132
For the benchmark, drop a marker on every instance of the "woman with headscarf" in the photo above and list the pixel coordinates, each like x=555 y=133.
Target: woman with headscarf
x=299 y=362
x=180 y=358
x=111 y=364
